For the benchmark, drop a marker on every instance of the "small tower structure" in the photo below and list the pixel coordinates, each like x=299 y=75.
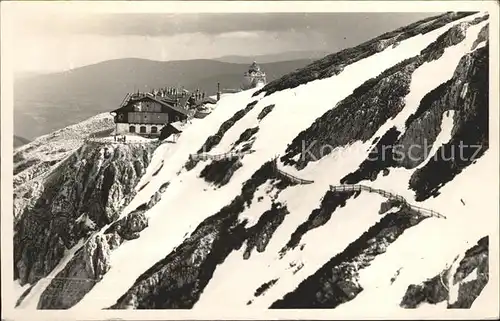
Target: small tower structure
x=253 y=77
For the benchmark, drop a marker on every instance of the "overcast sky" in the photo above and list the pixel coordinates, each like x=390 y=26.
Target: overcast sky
x=60 y=42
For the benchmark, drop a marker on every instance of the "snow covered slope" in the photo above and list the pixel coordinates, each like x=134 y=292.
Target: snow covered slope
x=237 y=233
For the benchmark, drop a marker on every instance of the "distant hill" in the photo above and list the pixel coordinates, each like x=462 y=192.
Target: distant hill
x=283 y=56
x=44 y=103
x=20 y=141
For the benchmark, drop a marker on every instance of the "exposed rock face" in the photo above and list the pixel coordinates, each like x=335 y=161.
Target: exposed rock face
x=246 y=135
x=482 y=37
x=129 y=227
x=34 y=160
x=96 y=256
x=91 y=263
x=379 y=158
x=260 y=234
x=87 y=267
x=85 y=192
x=221 y=171
x=265 y=111
x=437 y=289
x=470 y=129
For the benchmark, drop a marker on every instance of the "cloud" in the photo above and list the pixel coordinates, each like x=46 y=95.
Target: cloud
x=50 y=41
x=163 y=24
x=239 y=34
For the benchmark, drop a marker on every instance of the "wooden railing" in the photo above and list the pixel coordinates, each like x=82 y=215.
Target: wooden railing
x=291 y=177
x=229 y=155
x=389 y=195
x=337 y=188
x=358 y=188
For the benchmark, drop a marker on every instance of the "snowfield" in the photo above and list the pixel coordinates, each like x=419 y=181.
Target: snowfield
x=421 y=252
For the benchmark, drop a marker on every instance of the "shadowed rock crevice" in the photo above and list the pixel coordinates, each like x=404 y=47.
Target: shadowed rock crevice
x=436 y=289
x=24 y=164
x=336 y=282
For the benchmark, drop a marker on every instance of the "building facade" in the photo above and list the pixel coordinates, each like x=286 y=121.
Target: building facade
x=146 y=115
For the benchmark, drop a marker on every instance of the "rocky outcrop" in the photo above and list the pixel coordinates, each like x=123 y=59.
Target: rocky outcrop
x=246 y=135
x=86 y=268
x=69 y=286
x=214 y=140
x=128 y=228
x=264 y=287
x=261 y=233
x=336 y=282
x=85 y=192
x=483 y=36
x=467 y=93
x=92 y=262
x=220 y=172
x=265 y=111
x=390 y=204
x=437 y=288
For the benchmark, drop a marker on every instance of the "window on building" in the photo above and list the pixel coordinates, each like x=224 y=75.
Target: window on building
x=143 y=129
x=154 y=130
x=131 y=129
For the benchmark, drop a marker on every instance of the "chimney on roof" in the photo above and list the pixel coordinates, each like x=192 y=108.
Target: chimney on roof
x=218 y=91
